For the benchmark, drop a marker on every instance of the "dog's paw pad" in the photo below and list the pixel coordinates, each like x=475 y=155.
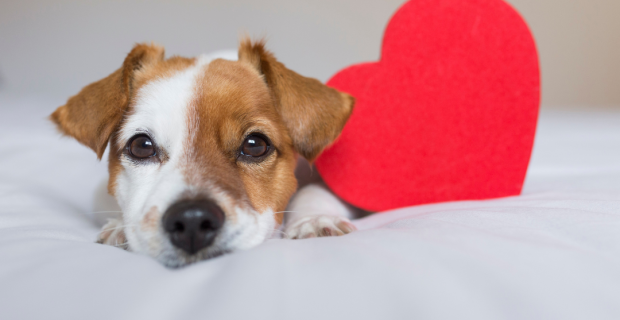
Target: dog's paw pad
x=319 y=226
x=112 y=234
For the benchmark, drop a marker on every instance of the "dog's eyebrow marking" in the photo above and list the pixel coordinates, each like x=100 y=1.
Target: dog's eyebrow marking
x=143 y=130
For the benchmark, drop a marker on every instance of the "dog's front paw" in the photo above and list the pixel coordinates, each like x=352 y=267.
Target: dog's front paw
x=112 y=234
x=319 y=226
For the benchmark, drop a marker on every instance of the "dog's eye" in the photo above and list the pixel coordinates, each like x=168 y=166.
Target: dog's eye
x=255 y=146
x=141 y=147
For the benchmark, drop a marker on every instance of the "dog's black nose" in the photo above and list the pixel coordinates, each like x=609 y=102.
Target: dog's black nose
x=193 y=224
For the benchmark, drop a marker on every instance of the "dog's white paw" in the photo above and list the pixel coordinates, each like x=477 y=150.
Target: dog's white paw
x=318 y=226
x=112 y=234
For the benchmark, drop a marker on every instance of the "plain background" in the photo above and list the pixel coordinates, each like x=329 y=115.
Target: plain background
x=51 y=49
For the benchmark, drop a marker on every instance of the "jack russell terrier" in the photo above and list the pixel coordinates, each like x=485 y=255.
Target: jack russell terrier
x=203 y=151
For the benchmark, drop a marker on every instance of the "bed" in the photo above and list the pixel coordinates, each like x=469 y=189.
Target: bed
x=551 y=253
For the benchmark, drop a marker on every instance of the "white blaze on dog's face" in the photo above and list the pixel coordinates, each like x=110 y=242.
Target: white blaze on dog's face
x=203 y=151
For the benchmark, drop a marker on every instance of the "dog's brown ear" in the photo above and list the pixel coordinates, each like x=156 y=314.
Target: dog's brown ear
x=92 y=115
x=313 y=112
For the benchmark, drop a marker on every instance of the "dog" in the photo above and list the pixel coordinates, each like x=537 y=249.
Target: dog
x=203 y=151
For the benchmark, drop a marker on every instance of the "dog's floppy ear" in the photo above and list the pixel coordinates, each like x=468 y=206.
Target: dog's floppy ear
x=92 y=115
x=313 y=113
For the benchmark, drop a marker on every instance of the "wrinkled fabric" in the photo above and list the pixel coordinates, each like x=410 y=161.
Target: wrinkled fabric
x=551 y=253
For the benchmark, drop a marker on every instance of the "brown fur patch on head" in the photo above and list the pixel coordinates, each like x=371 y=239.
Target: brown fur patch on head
x=313 y=112
x=94 y=113
x=233 y=102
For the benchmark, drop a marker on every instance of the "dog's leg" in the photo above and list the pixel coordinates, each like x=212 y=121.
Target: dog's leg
x=316 y=212
x=113 y=234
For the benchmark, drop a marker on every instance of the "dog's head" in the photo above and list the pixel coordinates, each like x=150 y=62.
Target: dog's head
x=203 y=151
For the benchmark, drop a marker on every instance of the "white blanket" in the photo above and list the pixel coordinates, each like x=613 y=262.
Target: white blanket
x=552 y=253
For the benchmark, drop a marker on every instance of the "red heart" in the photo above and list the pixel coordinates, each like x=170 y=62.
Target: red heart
x=448 y=113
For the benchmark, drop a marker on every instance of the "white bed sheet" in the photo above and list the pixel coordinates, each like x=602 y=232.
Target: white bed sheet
x=552 y=253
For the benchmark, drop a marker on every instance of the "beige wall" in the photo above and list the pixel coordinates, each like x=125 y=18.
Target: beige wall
x=579 y=45
x=53 y=48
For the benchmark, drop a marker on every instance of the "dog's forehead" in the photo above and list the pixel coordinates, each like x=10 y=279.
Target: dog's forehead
x=231 y=89
x=171 y=95
x=162 y=95
x=232 y=99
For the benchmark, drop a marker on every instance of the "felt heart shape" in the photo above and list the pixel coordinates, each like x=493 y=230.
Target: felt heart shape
x=448 y=113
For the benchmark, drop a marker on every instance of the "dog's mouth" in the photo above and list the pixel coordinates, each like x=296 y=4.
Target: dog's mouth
x=184 y=260
x=175 y=257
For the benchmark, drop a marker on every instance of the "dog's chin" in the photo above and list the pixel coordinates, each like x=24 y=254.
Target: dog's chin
x=179 y=258
x=173 y=257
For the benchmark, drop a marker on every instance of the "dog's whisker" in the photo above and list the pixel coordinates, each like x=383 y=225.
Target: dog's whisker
x=278 y=232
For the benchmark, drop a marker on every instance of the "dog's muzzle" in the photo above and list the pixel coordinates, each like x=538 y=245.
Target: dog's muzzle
x=193 y=224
